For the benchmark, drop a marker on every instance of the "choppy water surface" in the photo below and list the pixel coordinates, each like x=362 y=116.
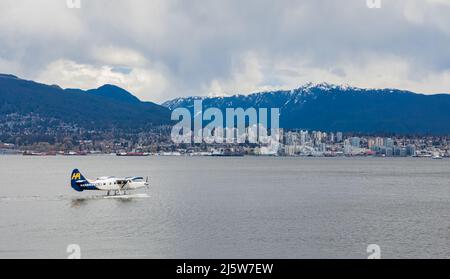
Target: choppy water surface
x=250 y=207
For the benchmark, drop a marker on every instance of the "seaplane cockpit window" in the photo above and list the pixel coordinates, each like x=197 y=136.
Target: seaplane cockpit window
x=138 y=179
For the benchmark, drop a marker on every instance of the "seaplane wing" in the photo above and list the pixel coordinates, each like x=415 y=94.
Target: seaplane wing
x=107 y=183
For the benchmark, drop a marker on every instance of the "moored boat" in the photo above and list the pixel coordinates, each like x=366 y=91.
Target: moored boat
x=133 y=154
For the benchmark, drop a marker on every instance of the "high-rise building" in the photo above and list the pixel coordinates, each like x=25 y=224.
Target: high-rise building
x=371 y=143
x=317 y=136
x=389 y=142
x=379 y=141
x=303 y=137
x=347 y=147
x=389 y=151
x=291 y=138
x=322 y=147
x=355 y=142
x=339 y=137
x=411 y=150
x=331 y=137
x=397 y=151
x=403 y=152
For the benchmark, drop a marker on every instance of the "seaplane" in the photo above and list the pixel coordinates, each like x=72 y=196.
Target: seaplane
x=112 y=185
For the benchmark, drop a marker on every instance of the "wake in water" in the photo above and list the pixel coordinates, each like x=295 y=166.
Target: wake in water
x=77 y=202
x=71 y=198
x=31 y=198
x=128 y=196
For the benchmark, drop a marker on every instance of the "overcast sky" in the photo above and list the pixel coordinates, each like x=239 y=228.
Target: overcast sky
x=161 y=49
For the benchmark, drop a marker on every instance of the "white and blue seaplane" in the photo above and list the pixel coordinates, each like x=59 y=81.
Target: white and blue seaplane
x=115 y=187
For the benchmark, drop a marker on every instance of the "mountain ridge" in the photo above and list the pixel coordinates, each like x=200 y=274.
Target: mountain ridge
x=321 y=106
x=108 y=106
x=306 y=88
x=344 y=108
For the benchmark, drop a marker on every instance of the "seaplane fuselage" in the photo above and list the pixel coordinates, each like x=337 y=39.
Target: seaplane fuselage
x=108 y=183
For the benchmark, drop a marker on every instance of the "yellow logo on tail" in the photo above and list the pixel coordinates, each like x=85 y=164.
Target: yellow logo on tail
x=76 y=176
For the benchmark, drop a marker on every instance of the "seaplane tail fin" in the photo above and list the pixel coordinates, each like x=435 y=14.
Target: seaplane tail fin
x=76 y=179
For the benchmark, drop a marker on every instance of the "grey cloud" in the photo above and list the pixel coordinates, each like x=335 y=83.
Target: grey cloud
x=166 y=48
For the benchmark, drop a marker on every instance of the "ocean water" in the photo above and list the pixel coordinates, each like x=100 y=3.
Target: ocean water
x=249 y=207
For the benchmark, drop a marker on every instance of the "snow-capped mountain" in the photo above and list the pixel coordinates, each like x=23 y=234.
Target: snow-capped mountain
x=332 y=107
